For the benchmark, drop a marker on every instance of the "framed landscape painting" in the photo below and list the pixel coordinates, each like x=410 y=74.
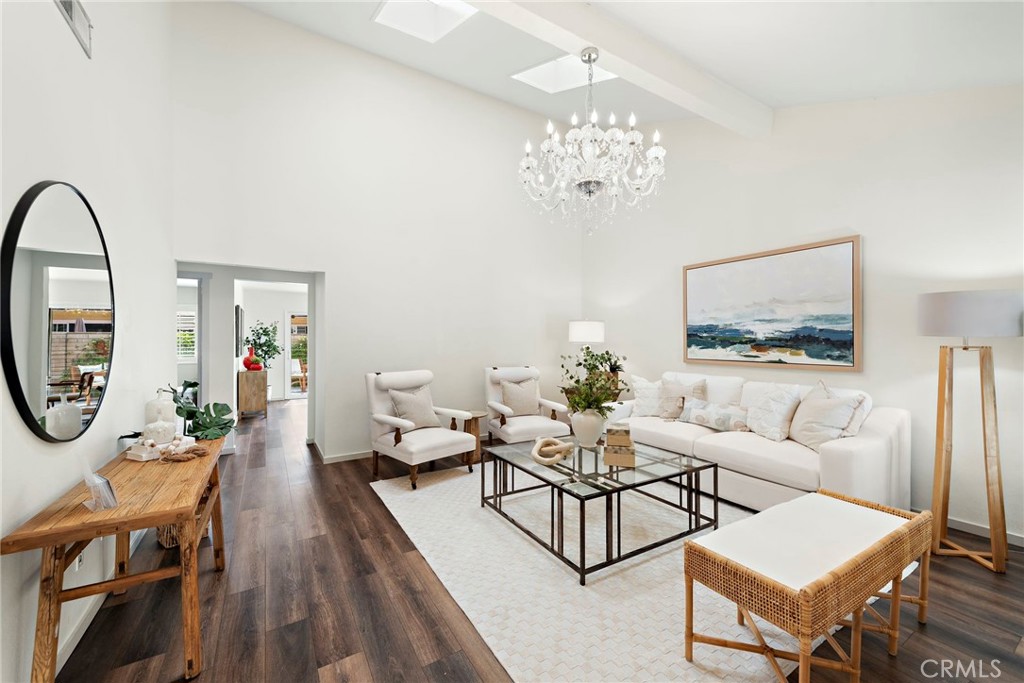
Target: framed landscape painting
x=797 y=307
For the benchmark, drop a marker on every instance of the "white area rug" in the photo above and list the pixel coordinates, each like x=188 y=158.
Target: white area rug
x=626 y=624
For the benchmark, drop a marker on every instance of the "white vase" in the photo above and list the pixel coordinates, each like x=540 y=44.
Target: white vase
x=588 y=427
x=64 y=420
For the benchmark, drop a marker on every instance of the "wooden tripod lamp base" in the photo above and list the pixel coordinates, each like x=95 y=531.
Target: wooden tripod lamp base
x=941 y=545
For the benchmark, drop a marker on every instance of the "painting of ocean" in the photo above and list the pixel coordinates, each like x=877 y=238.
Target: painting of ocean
x=796 y=306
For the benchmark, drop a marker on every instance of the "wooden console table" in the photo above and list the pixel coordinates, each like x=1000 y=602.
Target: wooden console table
x=252 y=392
x=149 y=494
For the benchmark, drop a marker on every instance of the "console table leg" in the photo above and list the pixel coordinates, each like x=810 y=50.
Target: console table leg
x=190 y=598
x=219 y=559
x=122 y=546
x=51 y=580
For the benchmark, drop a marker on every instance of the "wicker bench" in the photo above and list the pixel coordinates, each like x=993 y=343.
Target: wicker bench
x=805 y=566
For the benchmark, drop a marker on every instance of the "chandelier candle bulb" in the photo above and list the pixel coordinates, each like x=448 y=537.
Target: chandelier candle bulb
x=657 y=137
x=611 y=119
x=632 y=120
x=575 y=120
x=551 y=127
x=528 y=148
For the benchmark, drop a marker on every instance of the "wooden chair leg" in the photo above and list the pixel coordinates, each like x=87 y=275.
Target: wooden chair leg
x=374 y=458
x=413 y=475
x=433 y=465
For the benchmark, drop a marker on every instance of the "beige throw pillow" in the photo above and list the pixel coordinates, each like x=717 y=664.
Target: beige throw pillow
x=771 y=415
x=823 y=417
x=417 y=406
x=672 y=396
x=646 y=397
x=521 y=397
x=723 y=417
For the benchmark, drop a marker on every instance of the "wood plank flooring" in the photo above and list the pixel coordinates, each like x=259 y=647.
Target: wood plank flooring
x=323 y=585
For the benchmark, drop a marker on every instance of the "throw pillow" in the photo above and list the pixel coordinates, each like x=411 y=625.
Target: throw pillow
x=646 y=397
x=771 y=415
x=673 y=394
x=416 y=406
x=859 y=415
x=721 y=416
x=821 y=418
x=521 y=397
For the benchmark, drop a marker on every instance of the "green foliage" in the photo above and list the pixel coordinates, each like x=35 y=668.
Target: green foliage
x=210 y=422
x=263 y=339
x=300 y=349
x=590 y=383
x=97 y=351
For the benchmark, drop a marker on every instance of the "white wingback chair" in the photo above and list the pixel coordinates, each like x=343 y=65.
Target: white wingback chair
x=503 y=422
x=400 y=438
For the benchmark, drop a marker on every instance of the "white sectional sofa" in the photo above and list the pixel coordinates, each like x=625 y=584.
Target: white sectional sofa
x=758 y=473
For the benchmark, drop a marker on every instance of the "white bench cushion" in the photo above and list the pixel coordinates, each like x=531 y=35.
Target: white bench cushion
x=798 y=542
x=422 y=445
x=671 y=435
x=784 y=462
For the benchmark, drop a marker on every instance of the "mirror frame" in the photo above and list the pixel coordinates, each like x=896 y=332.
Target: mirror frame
x=7 y=252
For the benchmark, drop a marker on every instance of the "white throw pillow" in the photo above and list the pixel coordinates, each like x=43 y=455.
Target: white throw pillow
x=721 y=416
x=859 y=415
x=646 y=397
x=417 y=406
x=771 y=414
x=673 y=394
x=521 y=397
x=821 y=417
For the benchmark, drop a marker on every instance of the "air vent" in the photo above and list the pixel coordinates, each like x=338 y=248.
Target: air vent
x=78 y=20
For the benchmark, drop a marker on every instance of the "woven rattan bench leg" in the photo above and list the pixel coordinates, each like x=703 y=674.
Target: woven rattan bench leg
x=805 y=660
x=922 y=606
x=855 y=641
x=689 y=618
x=739 y=615
x=894 y=615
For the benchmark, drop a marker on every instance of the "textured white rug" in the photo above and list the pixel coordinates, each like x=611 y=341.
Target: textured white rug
x=626 y=624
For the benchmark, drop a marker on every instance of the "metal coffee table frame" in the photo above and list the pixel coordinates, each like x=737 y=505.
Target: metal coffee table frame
x=572 y=477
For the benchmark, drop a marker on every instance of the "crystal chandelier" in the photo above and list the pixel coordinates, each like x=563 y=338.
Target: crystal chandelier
x=595 y=170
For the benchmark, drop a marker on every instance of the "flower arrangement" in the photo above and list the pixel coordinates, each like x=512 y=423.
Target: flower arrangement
x=263 y=339
x=591 y=380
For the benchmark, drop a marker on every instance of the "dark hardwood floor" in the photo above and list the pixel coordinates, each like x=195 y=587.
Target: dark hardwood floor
x=323 y=585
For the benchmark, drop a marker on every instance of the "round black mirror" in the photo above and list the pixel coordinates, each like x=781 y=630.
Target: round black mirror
x=56 y=311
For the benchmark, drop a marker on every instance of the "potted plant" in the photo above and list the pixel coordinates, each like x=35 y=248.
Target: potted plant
x=589 y=388
x=210 y=422
x=263 y=341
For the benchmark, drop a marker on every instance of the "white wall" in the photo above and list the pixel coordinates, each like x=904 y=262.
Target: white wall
x=102 y=125
x=399 y=187
x=934 y=186
x=268 y=306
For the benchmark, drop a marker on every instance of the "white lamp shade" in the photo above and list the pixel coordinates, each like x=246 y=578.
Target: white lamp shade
x=586 y=331
x=979 y=313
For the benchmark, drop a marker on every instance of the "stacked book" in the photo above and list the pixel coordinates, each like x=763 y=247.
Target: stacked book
x=618 y=446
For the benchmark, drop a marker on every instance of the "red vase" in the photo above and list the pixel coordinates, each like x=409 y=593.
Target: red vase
x=247 y=361
x=256 y=367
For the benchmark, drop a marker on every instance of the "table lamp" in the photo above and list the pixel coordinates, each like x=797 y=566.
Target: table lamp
x=980 y=313
x=586 y=331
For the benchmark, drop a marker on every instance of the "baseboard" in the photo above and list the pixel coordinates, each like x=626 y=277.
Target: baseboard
x=341 y=457
x=979 y=530
x=96 y=602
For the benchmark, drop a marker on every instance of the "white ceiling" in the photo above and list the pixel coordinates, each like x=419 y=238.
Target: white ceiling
x=778 y=53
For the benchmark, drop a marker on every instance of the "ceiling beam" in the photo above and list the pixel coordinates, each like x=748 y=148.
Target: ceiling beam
x=634 y=57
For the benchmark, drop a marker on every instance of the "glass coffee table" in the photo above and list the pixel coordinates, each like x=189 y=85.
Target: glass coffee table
x=583 y=476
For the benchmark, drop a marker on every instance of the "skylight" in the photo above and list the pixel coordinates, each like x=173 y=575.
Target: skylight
x=428 y=20
x=559 y=75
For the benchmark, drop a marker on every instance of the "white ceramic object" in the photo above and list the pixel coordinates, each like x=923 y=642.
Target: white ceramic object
x=547 y=451
x=64 y=420
x=161 y=409
x=588 y=427
x=160 y=432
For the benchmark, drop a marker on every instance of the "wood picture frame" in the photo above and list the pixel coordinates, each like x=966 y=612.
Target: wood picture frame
x=795 y=307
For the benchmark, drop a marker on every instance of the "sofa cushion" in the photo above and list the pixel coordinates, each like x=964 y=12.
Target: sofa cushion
x=785 y=462
x=426 y=444
x=670 y=435
x=721 y=388
x=859 y=415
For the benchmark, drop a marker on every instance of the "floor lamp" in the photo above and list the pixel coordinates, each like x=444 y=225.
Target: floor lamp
x=586 y=331
x=984 y=313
